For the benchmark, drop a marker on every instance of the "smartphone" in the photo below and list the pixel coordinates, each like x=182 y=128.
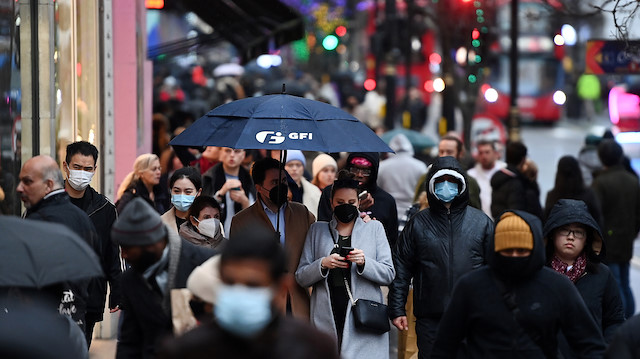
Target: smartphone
x=235 y=189
x=363 y=195
x=344 y=251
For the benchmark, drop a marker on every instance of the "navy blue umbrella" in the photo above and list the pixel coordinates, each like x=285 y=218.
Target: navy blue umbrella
x=281 y=122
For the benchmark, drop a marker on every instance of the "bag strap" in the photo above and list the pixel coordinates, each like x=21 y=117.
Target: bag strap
x=346 y=282
x=509 y=298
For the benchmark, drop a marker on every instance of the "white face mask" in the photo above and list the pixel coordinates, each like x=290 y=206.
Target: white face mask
x=78 y=179
x=209 y=227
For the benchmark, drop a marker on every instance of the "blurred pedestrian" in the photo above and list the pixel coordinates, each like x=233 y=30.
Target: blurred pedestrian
x=487 y=164
x=619 y=195
x=144 y=182
x=203 y=227
x=625 y=344
x=7 y=185
x=346 y=250
x=324 y=168
x=590 y=164
x=399 y=174
x=377 y=203
x=511 y=188
x=230 y=184
x=247 y=324
x=515 y=307
x=569 y=184
x=160 y=261
x=80 y=166
x=209 y=158
x=185 y=185
x=437 y=246
x=574 y=248
x=41 y=189
x=293 y=221
x=294 y=165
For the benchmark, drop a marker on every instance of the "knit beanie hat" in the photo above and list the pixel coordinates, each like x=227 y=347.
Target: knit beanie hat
x=321 y=161
x=512 y=232
x=138 y=225
x=295 y=155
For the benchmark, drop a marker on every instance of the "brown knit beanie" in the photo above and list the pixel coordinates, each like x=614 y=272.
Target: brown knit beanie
x=512 y=232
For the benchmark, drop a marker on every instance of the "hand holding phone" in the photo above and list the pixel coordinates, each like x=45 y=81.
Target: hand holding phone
x=344 y=251
x=363 y=195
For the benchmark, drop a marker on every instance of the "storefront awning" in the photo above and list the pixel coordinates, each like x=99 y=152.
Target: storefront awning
x=253 y=26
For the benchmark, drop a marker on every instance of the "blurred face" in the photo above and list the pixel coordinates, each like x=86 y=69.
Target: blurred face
x=569 y=241
x=248 y=272
x=151 y=176
x=184 y=186
x=142 y=257
x=345 y=195
x=209 y=212
x=487 y=156
x=448 y=148
x=515 y=252
x=326 y=176
x=212 y=153
x=32 y=188
x=232 y=158
x=295 y=169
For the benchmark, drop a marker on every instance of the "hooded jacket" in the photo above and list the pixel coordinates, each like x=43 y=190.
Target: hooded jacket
x=512 y=190
x=547 y=302
x=597 y=286
x=436 y=247
x=384 y=206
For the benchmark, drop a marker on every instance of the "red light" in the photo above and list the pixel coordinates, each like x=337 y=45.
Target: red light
x=484 y=88
x=154 y=4
x=79 y=69
x=370 y=84
x=435 y=59
x=341 y=31
x=475 y=34
x=428 y=85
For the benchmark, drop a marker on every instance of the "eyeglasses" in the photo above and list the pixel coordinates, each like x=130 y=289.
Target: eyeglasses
x=577 y=233
x=362 y=171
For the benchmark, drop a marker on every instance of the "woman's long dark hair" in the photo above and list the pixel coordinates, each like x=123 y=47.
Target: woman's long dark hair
x=345 y=179
x=569 y=181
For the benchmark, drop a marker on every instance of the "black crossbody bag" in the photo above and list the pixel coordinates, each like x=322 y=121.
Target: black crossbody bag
x=369 y=315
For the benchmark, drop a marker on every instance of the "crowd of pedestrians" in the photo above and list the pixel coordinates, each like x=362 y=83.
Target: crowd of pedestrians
x=233 y=253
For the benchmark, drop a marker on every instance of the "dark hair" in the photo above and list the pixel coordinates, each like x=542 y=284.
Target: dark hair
x=82 y=147
x=345 y=179
x=456 y=140
x=202 y=202
x=610 y=152
x=189 y=173
x=260 y=167
x=486 y=143
x=255 y=241
x=569 y=179
x=516 y=152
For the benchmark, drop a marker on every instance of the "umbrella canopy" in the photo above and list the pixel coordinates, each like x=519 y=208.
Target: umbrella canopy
x=281 y=122
x=419 y=141
x=35 y=254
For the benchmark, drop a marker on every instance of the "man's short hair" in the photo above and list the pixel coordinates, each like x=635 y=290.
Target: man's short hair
x=84 y=148
x=456 y=140
x=53 y=173
x=486 y=143
x=260 y=167
x=610 y=152
x=516 y=152
x=256 y=242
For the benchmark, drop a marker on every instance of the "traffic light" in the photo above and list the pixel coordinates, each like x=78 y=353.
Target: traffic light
x=330 y=42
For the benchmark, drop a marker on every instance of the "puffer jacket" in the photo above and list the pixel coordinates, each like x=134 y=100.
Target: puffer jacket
x=512 y=190
x=436 y=247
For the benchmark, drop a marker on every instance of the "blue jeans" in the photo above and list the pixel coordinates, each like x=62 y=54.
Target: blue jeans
x=620 y=272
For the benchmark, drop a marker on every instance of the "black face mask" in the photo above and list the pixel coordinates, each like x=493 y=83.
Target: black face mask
x=146 y=260
x=346 y=213
x=279 y=197
x=512 y=269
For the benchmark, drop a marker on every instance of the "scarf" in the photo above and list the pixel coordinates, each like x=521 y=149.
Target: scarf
x=578 y=269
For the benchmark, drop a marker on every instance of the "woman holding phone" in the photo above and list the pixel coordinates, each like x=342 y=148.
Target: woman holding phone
x=346 y=249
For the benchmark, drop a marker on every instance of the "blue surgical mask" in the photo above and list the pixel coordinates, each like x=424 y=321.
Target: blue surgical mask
x=182 y=202
x=446 y=191
x=242 y=310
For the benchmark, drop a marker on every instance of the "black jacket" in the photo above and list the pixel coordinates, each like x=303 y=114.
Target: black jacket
x=161 y=202
x=512 y=190
x=547 y=302
x=626 y=342
x=597 y=286
x=436 y=247
x=146 y=320
x=214 y=179
x=103 y=213
x=58 y=209
x=384 y=205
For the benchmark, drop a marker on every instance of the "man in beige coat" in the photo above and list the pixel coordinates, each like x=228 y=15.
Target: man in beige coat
x=294 y=220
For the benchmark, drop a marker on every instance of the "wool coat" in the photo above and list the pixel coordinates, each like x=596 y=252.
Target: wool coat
x=297 y=220
x=378 y=271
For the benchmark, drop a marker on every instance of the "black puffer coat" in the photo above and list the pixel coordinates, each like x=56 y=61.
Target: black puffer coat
x=547 y=302
x=436 y=247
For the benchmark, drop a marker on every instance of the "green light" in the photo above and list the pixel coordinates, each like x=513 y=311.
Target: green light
x=484 y=29
x=475 y=43
x=480 y=19
x=330 y=42
x=478 y=59
x=479 y=12
x=477 y=3
x=472 y=78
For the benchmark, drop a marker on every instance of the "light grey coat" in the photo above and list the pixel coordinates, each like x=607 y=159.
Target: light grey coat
x=378 y=271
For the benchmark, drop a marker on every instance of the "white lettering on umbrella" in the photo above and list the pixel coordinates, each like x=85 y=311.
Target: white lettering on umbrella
x=276 y=138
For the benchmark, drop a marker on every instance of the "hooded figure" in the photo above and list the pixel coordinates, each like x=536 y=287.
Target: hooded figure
x=515 y=306
x=437 y=246
x=579 y=259
x=384 y=205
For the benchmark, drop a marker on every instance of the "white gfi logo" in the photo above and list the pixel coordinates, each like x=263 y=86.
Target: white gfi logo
x=276 y=138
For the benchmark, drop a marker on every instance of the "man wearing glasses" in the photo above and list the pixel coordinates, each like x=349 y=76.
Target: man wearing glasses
x=377 y=203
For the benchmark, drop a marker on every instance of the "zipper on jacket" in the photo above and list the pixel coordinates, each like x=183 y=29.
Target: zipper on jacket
x=450 y=284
